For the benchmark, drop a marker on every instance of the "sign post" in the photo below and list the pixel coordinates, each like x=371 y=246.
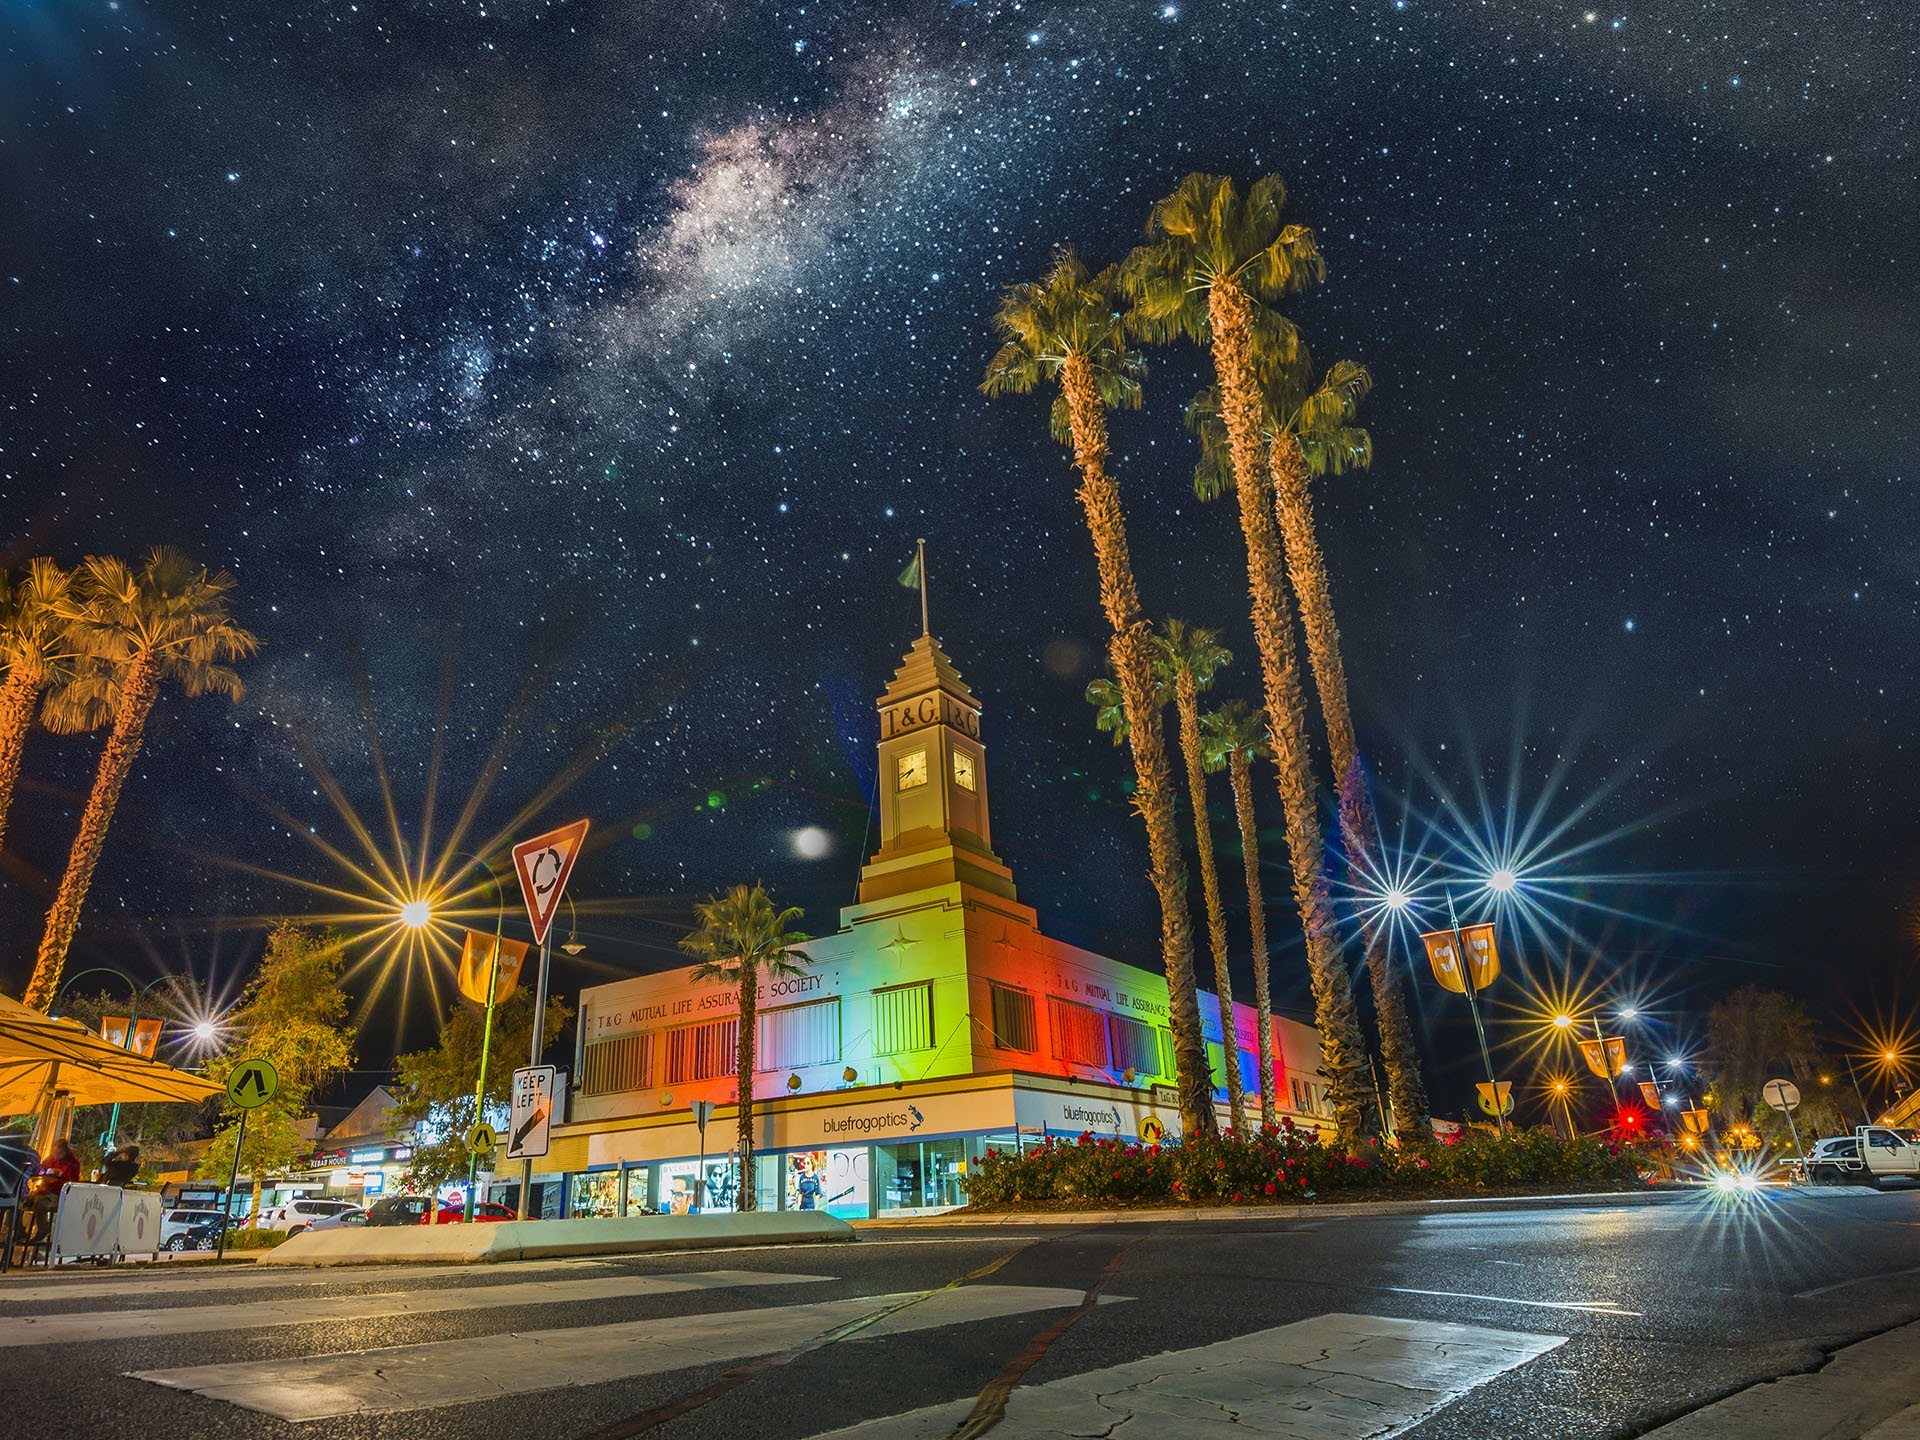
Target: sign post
x=702 y=1112
x=544 y=865
x=530 y=1128
x=250 y=1084
x=1784 y=1096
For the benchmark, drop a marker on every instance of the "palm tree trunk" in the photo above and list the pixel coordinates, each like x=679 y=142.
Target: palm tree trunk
x=1241 y=773
x=744 y=1194
x=1342 y=1052
x=1187 y=701
x=139 y=689
x=1131 y=655
x=17 y=695
x=1359 y=825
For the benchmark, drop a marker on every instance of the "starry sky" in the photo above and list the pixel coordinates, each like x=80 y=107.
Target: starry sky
x=566 y=385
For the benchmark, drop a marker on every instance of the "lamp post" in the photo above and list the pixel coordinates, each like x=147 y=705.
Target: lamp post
x=139 y=993
x=1501 y=881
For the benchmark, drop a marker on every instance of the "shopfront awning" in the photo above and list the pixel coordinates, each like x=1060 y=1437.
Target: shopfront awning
x=42 y=1056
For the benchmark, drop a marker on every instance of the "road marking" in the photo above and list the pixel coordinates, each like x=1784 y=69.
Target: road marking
x=417 y=1377
x=1590 y=1307
x=1857 y=1280
x=131 y=1284
x=1335 y=1377
x=89 y=1325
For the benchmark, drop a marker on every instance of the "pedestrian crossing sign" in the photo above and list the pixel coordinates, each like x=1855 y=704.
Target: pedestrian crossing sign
x=481 y=1140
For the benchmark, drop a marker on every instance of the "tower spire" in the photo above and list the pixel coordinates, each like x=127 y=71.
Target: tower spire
x=920 y=560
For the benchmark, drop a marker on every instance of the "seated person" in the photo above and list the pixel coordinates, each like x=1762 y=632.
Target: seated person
x=58 y=1167
x=121 y=1166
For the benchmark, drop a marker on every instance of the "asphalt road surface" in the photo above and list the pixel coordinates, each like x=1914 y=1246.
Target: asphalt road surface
x=1519 y=1320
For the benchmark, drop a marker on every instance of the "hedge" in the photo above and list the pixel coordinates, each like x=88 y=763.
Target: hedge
x=1286 y=1162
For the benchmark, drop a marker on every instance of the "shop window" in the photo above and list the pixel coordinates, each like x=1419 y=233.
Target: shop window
x=635 y=1179
x=1136 y=1046
x=795 y=1036
x=903 y=1019
x=594 y=1195
x=1079 y=1033
x=1014 y=1024
x=609 y=1067
x=920 y=1175
x=835 y=1181
x=702 y=1052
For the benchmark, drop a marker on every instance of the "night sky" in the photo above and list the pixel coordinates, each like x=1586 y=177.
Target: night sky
x=567 y=384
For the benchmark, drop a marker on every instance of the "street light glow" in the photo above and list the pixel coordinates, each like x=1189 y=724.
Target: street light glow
x=1502 y=881
x=416 y=914
x=1397 y=899
x=205 y=1032
x=1563 y=1021
x=1629 y=1012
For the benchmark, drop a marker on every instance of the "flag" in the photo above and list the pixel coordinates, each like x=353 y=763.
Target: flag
x=476 y=958
x=1482 y=956
x=910 y=577
x=1650 y=1093
x=1605 y=1057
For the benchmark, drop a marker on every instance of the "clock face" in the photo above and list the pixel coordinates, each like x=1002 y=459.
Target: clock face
x=963 y=769
x=912 y=771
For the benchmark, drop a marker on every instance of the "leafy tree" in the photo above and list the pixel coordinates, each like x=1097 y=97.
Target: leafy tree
x=34 y=654
x=1235 y=736
x=1186 y=658
x=1214 y=262
x=1067 y=328
x=436 y=1085
x=1308 y=426
x=133 y=631
x=742 y=940
x=293 y=1015
x=1754 y=1036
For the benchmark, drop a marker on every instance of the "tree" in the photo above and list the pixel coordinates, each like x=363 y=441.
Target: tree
x=1067 y=328
x=34 y=653
x=293 y=1015
x=1235 y=736
x=133 y=630
x=1187 y=657
x=1212 y=262
x=1754 y=1036
x=1308 y=428
x=436 y=1085
x=742 y=940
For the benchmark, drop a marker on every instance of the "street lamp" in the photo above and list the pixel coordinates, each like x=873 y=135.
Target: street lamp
x=425 y=913
x=139 y=993
x=417 y=914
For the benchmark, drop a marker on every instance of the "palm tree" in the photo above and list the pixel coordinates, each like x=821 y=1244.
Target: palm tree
x=1235 y=736
x=133 y=630
x=1187 y=658
x=742 y=940
x=1212 y=261
x=34 y=653
x=1067 y=327
x=1308 y=429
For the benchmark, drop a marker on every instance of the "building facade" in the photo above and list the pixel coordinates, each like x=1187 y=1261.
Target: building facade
x=938 y=1021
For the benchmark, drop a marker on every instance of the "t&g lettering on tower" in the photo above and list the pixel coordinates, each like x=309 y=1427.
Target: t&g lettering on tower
x=935 y=709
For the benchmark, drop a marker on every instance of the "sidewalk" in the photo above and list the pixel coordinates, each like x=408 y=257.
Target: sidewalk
x=1330 y=1211
x=1868 y=1391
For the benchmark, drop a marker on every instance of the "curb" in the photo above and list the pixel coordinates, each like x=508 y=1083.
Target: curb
x=484 y=1244
x=1331 y=1210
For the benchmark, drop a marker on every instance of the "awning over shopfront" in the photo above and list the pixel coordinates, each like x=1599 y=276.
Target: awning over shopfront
x=41 y=1057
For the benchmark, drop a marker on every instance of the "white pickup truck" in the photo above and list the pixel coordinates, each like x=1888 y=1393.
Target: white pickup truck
x=1872 y=1155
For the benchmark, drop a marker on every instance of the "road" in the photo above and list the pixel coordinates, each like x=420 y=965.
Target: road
x=1449 y=1323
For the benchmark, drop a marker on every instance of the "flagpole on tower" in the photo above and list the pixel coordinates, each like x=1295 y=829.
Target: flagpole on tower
x=920 y=559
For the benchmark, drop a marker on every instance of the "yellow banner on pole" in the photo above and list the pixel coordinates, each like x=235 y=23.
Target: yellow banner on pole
x=1650 y=1093
x=1483 y=956
x=476 y=956
x=146 y=1033
x=1695 y=1121
x=1606 y=1056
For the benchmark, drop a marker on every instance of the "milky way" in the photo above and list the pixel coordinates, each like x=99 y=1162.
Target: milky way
x=584 y=375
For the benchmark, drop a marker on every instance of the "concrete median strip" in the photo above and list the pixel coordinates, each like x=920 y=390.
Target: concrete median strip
x=481 y=1244
x=343 y=1309
x=418 y=1377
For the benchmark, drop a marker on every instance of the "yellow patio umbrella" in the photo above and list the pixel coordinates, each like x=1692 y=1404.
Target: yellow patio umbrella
x=43 y=1059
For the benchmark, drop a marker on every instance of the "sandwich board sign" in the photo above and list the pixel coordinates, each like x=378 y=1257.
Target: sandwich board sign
x=544 y=864
x=530 y=1130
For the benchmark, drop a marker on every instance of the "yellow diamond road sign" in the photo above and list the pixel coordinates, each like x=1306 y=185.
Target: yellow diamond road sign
x=481 y=1140
x=252 y=1083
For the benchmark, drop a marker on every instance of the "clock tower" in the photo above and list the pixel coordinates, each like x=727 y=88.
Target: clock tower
x=933 y=785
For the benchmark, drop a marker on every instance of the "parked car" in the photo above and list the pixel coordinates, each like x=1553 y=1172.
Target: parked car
x=398 y=1210
x=1834 y=1161
x=177 y=1222
x=203 y=1235
x=299 y=1213
x=352 y=1215
x=454 y=1213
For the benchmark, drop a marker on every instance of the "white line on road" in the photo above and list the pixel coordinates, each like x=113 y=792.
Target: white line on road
x=1590 y=1307
x=1335 y=1377
x=89 y=1325
x=417 y=1377
x=133 y=1284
